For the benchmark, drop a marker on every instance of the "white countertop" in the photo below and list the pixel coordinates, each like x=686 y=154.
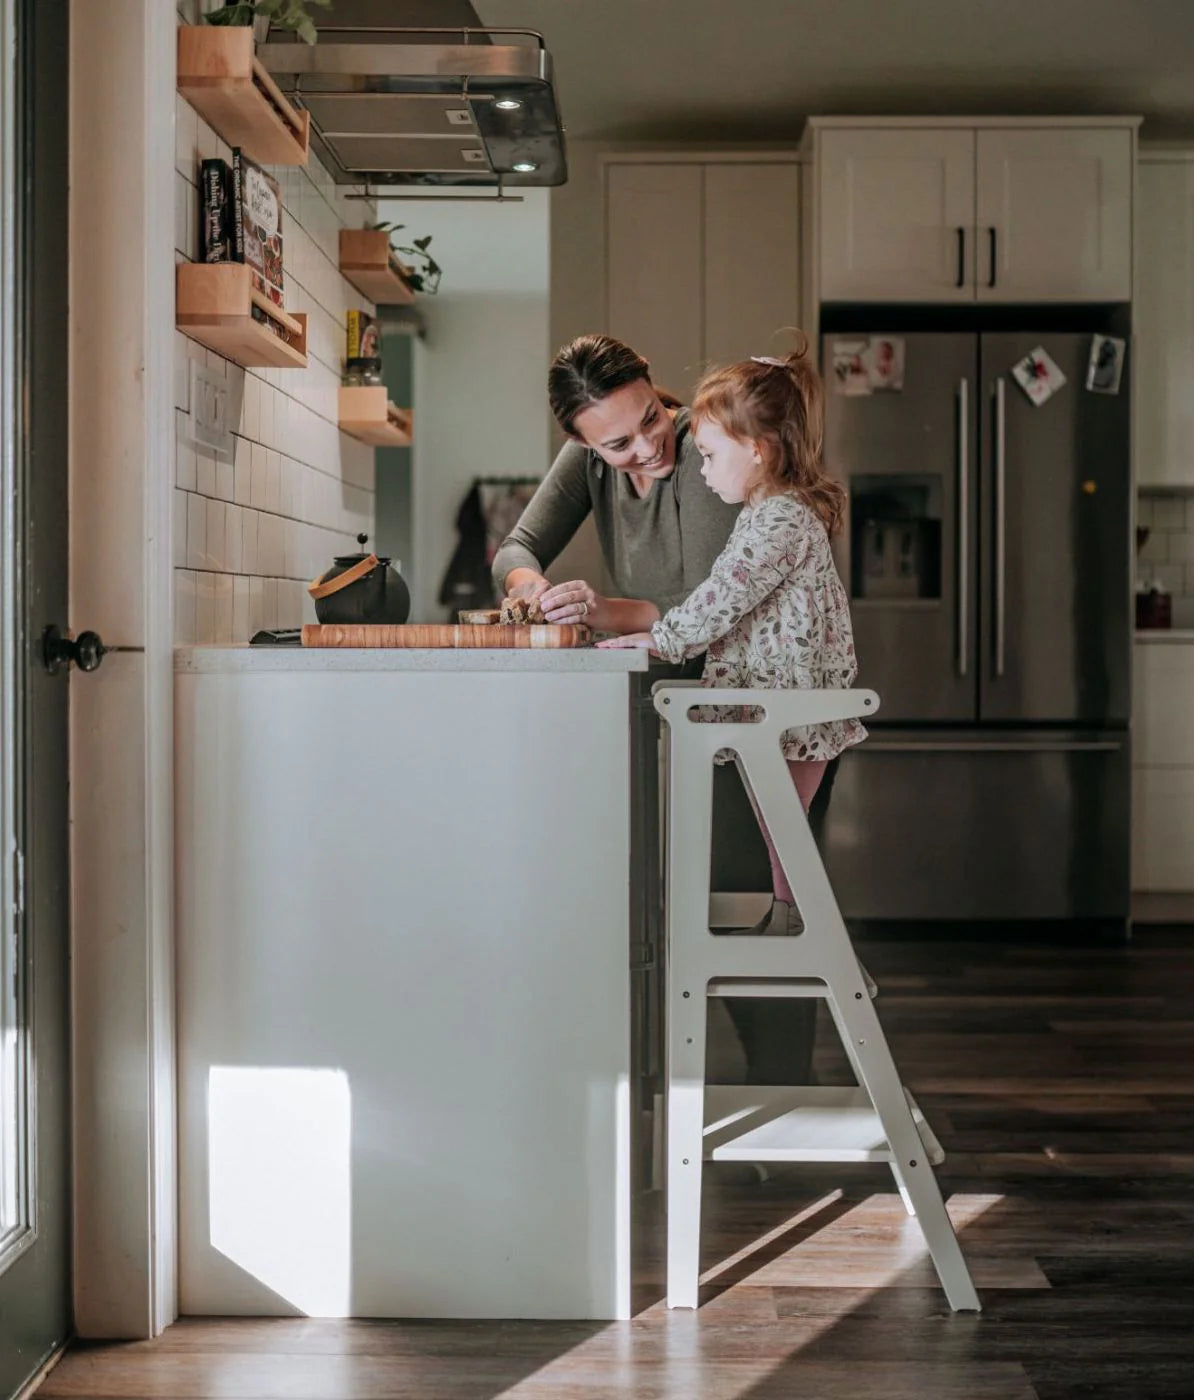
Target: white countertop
x=263 y=660
x=1165 y=634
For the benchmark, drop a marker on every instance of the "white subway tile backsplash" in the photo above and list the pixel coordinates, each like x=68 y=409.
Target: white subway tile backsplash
x=241 y=471
x=259 y=478
x=205 y=472
x=1169 y=513
x=216 y=534
x=186 y=134
x=205 y=609
x=248 y=533
x=265 y=416
x=225 y=480
x=224 y=608
x=240 y=609
x=250 y=410
x=180 y=524
x=273 y=482
x=196 y=532
x=1181 y=546
x=184 y=607
x=256 y=605
x=233 y=539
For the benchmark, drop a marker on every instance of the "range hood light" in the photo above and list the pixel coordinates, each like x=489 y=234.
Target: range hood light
x=507 y=104
x=525 y=167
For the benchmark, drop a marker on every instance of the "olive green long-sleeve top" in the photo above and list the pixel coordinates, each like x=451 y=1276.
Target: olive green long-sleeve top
x=657 y=547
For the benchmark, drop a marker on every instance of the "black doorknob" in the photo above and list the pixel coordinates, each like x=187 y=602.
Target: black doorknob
x=86 y=650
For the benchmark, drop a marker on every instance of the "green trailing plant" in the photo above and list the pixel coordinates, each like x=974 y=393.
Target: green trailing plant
x=422 y=270
x=286 y=14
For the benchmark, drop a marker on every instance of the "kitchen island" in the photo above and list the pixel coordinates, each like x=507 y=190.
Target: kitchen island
x=404 y=934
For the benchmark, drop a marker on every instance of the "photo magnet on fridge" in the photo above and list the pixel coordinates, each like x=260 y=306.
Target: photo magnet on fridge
x=1038 y=375
x=851 y=367
x=885 y=363
x=1106 y=364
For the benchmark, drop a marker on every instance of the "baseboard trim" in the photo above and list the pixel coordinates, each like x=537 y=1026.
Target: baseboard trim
x=38 y=1377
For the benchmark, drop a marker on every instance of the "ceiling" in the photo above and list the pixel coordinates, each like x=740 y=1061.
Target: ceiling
x=752 y=70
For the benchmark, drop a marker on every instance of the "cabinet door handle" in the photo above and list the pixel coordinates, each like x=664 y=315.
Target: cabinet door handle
x=1000 y=527
x=963 y=545
x=961 y=282
x=991 y=241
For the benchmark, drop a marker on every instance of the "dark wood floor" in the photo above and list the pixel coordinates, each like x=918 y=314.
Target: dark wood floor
x=1061 y=1082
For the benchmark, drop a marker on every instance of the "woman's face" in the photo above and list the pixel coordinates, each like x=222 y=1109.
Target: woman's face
x=729 y=466
x=631 y=430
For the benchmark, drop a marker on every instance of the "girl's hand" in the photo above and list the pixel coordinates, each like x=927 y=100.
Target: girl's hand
x=575 y=602
x=643 y=641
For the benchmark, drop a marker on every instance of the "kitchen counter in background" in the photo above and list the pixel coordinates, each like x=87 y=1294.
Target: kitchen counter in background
x=1165 y=634
x=406 y=892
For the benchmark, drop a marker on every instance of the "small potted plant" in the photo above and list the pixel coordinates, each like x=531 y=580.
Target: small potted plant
x=221 y=77
x=260 y=14
x=414 y=264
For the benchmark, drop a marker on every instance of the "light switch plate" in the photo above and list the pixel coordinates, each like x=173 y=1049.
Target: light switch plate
x=211 y=397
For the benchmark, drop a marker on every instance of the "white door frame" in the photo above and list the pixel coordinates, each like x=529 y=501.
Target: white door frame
x=121 y=359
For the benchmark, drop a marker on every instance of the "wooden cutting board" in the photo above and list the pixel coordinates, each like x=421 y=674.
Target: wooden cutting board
x=435 y=635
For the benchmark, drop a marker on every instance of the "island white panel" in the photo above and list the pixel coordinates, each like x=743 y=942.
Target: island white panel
x=404 y=1035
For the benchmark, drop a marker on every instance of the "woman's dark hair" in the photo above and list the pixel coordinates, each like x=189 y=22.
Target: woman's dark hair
x=587 y=370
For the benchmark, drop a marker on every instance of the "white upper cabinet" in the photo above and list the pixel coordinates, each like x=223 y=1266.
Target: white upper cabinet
x=973 y=212
x=896 y=214
x=702 y=261
x=1163 y=316
x=1054 y=215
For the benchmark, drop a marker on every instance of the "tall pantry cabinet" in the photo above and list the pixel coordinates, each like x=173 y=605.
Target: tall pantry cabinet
x=702 y=258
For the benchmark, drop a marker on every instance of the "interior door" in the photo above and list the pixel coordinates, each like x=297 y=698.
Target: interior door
x=896 y=214
x=1056 y=581
x=1054 y=214
x=34 y=1000
x=907 y=556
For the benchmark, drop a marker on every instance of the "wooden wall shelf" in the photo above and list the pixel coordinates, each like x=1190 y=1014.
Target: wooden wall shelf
x=367 y=415
x=220 y=77
x=368 y=262
x=216 y=305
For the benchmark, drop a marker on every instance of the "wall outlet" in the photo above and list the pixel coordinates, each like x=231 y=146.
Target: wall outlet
x=211 y=416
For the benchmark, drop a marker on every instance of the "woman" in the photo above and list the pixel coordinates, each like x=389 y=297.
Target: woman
x=631 y=461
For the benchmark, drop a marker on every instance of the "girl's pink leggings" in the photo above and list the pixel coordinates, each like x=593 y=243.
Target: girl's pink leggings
x=806 y=777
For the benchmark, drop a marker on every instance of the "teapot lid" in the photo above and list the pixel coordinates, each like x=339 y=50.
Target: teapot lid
x=346 y=561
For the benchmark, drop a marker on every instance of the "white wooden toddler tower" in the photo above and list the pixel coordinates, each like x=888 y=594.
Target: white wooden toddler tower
x=878 y=1120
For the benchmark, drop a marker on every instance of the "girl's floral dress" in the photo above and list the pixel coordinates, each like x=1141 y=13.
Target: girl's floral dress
x=773 y=615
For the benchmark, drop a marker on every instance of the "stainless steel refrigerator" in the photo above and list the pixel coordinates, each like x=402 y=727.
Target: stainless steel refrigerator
x=988 y=559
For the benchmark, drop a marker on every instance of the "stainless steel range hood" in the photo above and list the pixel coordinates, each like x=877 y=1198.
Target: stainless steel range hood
x=414 y=106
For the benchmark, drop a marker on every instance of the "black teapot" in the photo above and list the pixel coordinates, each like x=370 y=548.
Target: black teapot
x=360 y=588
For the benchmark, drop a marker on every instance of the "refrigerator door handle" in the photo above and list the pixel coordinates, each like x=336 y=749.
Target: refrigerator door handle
x=991 y=242
x=1000 y=526
x=994 y=747
x=963 y=522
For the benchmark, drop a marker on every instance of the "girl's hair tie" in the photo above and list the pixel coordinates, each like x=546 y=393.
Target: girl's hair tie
x=768 y=360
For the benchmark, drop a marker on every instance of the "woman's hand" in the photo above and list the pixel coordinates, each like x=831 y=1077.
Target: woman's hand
x=575 y=602
x=525 y=583
x=643 y=641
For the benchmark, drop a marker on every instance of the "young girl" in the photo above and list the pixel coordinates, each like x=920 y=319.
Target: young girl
x=773 y=613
